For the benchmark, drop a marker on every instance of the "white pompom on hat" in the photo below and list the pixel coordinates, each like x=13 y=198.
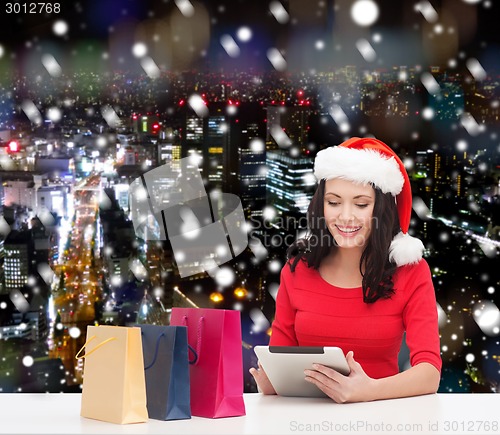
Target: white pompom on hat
x=368 y=160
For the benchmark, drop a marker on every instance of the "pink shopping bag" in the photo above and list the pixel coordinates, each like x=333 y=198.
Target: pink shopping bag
x=216 y=378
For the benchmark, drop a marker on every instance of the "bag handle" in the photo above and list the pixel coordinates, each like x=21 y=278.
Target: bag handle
x=195 y=359
x=199 y=333
x=195 y=354
x=156 y=350
x=77 y=356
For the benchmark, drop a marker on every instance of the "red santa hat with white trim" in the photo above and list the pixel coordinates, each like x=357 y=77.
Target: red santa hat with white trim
x=371 y=161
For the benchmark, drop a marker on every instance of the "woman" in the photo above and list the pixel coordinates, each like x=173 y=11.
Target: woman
x=358 y=280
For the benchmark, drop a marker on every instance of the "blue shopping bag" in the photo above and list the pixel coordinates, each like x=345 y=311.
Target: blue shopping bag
x=166 y=368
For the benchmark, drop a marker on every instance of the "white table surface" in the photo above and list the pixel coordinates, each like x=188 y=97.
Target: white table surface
x=432 y=414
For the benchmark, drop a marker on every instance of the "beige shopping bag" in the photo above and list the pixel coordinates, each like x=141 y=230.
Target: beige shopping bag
x=114 y=386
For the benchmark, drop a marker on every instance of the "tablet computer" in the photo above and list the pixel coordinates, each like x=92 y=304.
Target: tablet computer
x=285 y=365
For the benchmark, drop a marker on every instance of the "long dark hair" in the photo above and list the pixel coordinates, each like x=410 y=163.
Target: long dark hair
x=375 y=267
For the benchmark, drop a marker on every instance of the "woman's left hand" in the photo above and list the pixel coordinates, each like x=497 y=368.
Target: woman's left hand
x=356 y=387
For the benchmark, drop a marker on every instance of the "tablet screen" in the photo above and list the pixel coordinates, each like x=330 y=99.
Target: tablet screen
x=285 y=365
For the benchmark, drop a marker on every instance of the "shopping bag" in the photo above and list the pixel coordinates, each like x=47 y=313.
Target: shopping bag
x=217 y=375
x=114 y=388
x=166 y=366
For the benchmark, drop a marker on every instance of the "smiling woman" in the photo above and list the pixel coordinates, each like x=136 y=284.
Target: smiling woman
x=348 y=212
x=358 y=281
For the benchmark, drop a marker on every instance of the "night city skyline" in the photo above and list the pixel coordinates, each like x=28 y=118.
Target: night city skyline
x=88 y=108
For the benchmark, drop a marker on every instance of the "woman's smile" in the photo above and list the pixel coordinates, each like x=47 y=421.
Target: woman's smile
x=348 y=231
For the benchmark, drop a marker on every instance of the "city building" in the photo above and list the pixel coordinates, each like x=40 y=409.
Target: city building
x=290 y=183
x=20 y=191
x=294 y=121
x=52 y=199
x=18 y=260
x=57 y=165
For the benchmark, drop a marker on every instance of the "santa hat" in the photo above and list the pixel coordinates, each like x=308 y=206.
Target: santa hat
x=368 y=160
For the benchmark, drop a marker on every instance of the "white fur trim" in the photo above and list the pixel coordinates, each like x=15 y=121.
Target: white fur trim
x=405 y=249
x=361 y=166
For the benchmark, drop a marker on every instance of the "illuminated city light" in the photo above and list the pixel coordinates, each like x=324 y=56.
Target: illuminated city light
x=240 y=292
x=216 y=297
x=13 y=147
x=364 y=12
x=2 y=51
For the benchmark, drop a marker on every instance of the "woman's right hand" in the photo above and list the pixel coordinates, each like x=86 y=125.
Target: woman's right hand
x=263 y=382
